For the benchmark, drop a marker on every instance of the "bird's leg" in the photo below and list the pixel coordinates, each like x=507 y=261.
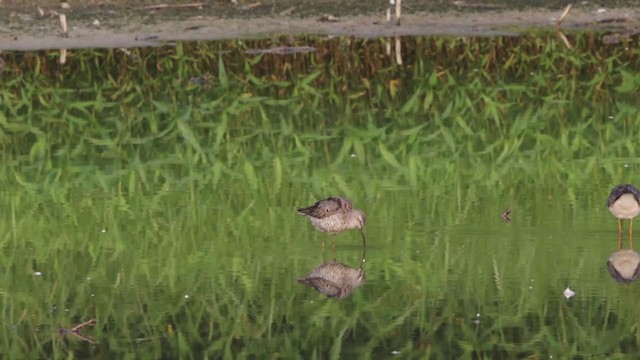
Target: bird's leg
x=631 y=234
x=619 y=234
x=364 y=248
x=334 y=246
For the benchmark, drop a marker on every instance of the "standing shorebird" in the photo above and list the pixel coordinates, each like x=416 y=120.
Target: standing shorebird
x=624 y=203
x=334 y=215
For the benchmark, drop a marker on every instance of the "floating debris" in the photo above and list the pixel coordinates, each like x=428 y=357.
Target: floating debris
x=76 y=329
x=63 y=56
x=564 y=39
x=506 y=217
x=63 y=25
x=249 y=6
x=568 y=293
x=328 y=18
x=37 y=273
x=287 y=11
x=564 y=15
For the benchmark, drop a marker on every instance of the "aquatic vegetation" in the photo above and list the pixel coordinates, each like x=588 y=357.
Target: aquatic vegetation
x=155 y=189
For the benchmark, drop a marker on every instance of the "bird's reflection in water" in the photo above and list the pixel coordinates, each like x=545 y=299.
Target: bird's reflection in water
x=624 y=266
x=335 y=279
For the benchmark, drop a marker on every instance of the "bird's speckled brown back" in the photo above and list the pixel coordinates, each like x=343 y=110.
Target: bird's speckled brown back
x=327 y=207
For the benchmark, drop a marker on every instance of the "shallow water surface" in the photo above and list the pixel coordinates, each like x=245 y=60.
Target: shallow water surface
x=154 y=190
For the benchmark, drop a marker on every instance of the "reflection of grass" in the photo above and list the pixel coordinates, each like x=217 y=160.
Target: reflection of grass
x=195 y=188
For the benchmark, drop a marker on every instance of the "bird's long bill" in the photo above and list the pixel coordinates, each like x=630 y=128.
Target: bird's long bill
x=364 y=247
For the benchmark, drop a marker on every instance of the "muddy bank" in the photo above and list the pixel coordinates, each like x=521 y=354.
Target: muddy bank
x=115 y=27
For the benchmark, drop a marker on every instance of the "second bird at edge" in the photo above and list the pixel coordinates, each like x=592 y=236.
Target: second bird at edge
x=624 y=203
x=334 y=215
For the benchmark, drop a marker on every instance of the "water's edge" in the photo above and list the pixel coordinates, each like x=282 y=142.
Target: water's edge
x=113 y=29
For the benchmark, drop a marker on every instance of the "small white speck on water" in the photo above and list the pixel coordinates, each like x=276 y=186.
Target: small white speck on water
x=186 y=296
x=610 y=116
x=93 y=295
x=103 y=231
x=478 y=315
x=67 y=310
x=568 y=293
x=476 y=321
x=626 y=165
x=88 y=278
x=395 y=352
x=37 y=273
x=353 y=155
x=530 y=287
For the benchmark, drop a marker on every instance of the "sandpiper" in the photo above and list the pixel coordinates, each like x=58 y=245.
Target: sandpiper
x=624 y=203
x=624 y=266
x=334 y=215
x=334 y=279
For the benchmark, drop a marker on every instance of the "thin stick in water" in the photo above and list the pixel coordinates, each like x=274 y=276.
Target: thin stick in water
x=63 y=25
x=398 y=51
x=564 y=14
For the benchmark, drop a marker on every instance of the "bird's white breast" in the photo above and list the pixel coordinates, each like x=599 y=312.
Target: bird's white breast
x=626 y=207
x=332 y=224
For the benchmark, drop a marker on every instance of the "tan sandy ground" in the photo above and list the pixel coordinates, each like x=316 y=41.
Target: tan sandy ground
x=29 y=30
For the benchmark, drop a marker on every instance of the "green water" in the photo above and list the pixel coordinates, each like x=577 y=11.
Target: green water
x=165 y=209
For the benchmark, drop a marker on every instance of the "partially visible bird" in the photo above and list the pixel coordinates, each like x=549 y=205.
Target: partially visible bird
x=624 y=266
x=334 y=215
x=624 y=203
x=334 y=279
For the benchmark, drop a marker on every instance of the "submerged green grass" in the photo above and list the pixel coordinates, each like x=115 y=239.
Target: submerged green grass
x=155 y=191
